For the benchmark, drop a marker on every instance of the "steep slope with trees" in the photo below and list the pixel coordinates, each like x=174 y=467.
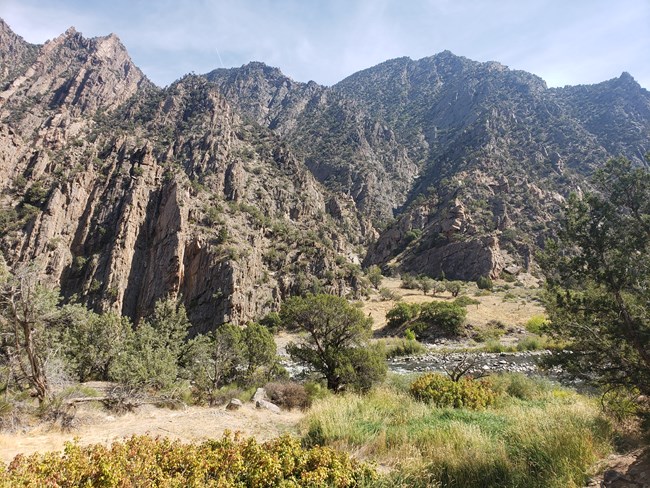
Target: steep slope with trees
x=239 y=188
x=126 y=193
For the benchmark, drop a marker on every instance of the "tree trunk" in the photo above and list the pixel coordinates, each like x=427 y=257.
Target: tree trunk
x=37 y=378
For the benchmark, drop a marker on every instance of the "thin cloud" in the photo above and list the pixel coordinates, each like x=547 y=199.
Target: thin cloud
x=582 y=41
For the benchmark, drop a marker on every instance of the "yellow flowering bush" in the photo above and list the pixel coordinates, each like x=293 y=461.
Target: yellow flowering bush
x=143 y=461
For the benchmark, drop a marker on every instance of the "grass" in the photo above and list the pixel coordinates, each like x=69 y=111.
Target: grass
x=537 y=435
x=396 y=347
x=535 y=324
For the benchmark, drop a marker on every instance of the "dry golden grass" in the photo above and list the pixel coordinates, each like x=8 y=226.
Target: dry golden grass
x=96 y=426
x=512 y=307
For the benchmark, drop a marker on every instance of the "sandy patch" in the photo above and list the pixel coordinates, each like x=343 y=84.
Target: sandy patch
x=96 y=426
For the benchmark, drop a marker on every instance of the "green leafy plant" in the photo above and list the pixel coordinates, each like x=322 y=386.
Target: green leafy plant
x=441 y=391
x=536 y=324
x=484 y=283
x=227 y=462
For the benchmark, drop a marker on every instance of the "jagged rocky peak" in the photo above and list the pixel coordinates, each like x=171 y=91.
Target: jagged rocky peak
x=628 y=79
x=251 y=69
x=15 y=56
x=265 y=95
x=78 y=75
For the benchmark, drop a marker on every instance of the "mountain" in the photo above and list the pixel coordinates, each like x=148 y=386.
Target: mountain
x=472 y=159
x=346 y=148
x=124 y=193
x=240 y=187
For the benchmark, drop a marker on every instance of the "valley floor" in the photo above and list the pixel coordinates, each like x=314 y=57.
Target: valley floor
x=94 y=425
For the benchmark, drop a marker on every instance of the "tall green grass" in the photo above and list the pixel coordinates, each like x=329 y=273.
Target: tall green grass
x=397 y=347
x=537 y=435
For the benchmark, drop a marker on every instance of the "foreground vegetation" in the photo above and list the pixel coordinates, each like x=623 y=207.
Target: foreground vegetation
x=534 y=435
x=503 y=431
x=229 y=462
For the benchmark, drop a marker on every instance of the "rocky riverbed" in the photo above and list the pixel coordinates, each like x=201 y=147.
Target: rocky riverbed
x=474 y=363
x=477 y=362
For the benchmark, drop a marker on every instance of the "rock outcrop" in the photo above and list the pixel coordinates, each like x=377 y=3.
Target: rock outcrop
x=125 y=193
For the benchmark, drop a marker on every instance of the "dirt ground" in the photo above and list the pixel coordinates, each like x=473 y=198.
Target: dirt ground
x=97 y=426
x=512 y=307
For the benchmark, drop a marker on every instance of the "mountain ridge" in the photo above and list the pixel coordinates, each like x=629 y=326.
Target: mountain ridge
x=235 y=189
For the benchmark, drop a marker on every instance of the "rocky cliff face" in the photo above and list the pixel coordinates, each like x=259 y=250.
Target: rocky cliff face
x=236 y=189
x=501 y=143
x=345 y=148
x=447 y=129
x=125 y=193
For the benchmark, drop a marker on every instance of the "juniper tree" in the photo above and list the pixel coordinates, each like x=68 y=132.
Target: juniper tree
x=598 y=280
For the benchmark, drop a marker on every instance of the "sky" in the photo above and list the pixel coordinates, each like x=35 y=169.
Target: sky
x=565 y=42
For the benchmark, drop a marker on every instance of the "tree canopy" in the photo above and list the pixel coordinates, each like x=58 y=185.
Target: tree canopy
x=598 y=280
x=335 y=344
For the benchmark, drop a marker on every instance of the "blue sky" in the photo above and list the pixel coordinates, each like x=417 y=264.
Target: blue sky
x=563 y=41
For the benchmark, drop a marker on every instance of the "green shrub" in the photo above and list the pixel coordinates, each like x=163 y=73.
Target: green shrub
x=484 y=283
x=465 y=301
x=412 y=235
x=373 y=273
x=403 y=347
x=410 y=282
x=442 y=391
x=145 y=362
x=495 y=346
x=388 y=294
x=271 y=321
x=229 y=462
x=360 y=367
x=427 y=284
x=259 y=353
x=535 y=324
x=92 y=342
x=444 y=317
x=152 y=354
x=454 y=287
x=531 y=344
x=316 y=390
x=434 y=318
x=36 y=195
x=402 y=313
x=488 y=334
x=509 y=297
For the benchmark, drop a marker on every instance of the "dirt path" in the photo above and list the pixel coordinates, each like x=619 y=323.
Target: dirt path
x=95 y=426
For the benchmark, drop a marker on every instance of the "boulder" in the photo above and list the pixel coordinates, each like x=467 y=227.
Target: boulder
x=234 y=404
x=267 y=405
x=260 y=394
